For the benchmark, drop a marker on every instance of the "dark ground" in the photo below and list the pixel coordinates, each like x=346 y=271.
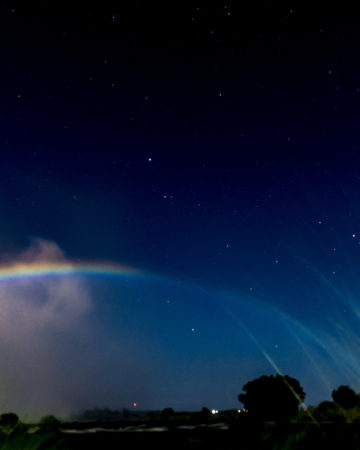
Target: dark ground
x=252 y=436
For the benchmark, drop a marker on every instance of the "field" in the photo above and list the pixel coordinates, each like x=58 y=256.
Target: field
x=221 y=436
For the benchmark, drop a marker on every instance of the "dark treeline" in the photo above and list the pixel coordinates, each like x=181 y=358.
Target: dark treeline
x=272 y=415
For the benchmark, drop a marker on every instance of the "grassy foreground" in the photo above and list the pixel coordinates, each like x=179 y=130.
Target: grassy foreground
x=174 y=433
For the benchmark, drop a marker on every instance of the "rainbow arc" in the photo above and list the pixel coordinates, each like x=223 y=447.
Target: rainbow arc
x=41 y=269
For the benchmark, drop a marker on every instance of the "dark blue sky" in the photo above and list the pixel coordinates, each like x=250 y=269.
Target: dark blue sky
x=217 y=147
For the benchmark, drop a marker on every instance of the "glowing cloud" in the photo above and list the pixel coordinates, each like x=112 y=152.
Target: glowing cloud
x=49 y=347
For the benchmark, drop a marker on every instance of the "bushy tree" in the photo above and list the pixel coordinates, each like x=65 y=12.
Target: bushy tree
x=345 y=397
x=166 y=413
x=10 y=425
x=9 y=419
x=272 y=397
x=329 y=412
x=205 y=412
x=50 y=423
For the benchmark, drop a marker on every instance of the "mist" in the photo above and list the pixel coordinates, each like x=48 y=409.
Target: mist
x=57 y=358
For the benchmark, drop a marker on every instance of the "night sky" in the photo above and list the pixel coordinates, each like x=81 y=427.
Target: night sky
x=214 y=149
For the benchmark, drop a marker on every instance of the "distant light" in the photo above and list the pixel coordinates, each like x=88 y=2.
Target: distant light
x=134 y=404
x=239 y=411
x=214 y=411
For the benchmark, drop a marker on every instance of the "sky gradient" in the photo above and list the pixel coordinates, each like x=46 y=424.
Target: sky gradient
x=216 y=151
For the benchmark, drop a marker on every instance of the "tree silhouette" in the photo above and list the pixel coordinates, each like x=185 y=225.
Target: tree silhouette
x=272 y=397
x=329 y=412
x=9 y=419
x=49 y=423
x=345 y=397
x=167 y=413
x=205 y=412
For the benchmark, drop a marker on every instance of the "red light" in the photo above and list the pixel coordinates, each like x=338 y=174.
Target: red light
x=134 y=404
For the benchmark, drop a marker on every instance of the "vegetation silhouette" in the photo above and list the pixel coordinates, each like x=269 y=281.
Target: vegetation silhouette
x=50 y=423
x=8 y=420
x=273 y=417
x=345 y=397
x=167 y=413
x=272 y=397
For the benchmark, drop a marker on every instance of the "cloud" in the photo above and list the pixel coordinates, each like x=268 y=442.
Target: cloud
x=42 y=250
x=57 y=357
